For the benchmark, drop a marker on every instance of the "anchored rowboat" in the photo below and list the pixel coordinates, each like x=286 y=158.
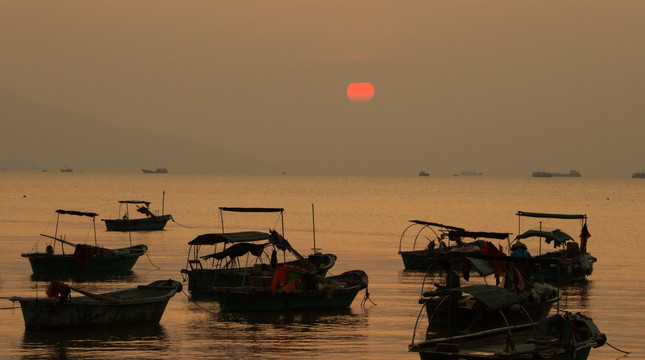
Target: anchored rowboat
x=144 y=304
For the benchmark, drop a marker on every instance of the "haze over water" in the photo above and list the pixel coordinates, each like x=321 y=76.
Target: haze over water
x=500 y=86
x=360 y=219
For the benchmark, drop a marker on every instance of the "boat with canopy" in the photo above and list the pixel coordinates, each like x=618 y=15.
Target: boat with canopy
x=85 y=258
x=230 y=258
x=442 y=241
x=570 y=259
x=149 y=222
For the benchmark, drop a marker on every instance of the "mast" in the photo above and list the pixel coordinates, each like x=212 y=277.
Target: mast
x=313 y=221
x=94 y=225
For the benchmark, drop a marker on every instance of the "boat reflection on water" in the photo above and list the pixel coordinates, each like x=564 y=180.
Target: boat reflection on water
x=94 y=343
x=575 y=295
x=284 y=334
x=127 y=276
x=339 y=317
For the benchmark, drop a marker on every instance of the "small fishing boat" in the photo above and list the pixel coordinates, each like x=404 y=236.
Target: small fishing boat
x=443 y=240
x=453 y=308
x=85 y=258
x=230 y=258
x=480 y=307
x=490 y=322
x=558 y=337
x=151 y=221
x=570 y=260
x=292 y=288
x=144 y=304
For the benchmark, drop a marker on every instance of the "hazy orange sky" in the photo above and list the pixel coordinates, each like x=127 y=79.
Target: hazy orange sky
x=503 y=87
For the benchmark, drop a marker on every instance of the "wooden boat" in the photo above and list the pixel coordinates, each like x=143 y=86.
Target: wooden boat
x=125 y=222
x=453 y=308
x=144 y=304
x=85 y=258
x=292 y=288
x=445 y=240
x=232 y=257
x=570 y=261
x=560 y=337
x=481 y=307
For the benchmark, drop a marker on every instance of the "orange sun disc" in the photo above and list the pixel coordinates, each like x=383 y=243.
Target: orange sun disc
x=360 y=92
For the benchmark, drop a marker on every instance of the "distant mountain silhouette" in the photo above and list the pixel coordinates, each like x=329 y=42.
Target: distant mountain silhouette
x=37 y=137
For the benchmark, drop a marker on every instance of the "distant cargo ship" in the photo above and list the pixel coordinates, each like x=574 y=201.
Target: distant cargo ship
x=423 y=173
x=471 y=173
x=638 y=175
x=156 y=171
x=572 y=173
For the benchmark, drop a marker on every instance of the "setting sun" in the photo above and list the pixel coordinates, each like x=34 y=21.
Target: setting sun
x=360 y=92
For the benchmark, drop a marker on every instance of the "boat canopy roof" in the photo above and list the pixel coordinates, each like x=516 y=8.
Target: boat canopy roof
x=427 y=223
x=236 y=250
x=494 y=297
x=251 y=209
x=551 y=216
x=236 y=237
x=77 y=213
x=134 y=202
x=558 y=236
x=477 y=234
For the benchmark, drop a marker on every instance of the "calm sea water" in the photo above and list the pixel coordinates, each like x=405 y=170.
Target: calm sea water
x=360 y=219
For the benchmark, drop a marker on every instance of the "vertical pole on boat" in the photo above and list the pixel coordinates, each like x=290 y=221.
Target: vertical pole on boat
x=284 y=253
x=540 y=248
x=163 y=199
x=94 y=224
x=62 y=246
x=313 y=221
x=221 y=218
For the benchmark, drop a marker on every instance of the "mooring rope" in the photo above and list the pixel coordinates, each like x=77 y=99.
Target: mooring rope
x=617 y=349
x=187 y=227
x=148 y=256
x=366 y=298
x=199 y=306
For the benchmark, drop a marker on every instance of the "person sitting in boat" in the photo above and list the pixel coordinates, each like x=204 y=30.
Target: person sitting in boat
x=431 y=246
x=452 y=281
x=519 y=250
